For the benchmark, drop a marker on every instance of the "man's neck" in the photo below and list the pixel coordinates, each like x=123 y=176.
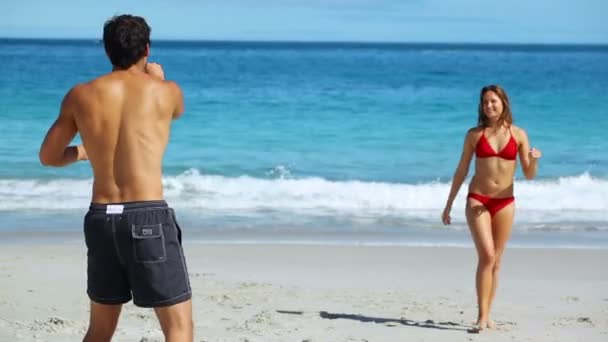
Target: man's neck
x=138 y=66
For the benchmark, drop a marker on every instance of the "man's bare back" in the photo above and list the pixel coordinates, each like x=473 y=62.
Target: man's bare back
x=124 y=119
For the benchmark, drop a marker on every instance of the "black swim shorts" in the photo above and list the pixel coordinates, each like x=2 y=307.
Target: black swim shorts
x=135 y=251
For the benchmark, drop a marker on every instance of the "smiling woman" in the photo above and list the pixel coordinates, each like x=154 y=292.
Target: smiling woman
x=490 y=203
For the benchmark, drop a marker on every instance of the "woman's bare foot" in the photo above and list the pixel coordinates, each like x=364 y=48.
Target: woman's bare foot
x=478 y=327
x=490 y=324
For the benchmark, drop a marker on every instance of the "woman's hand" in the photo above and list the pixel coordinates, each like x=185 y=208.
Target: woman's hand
x=535 y=153
x=445 y=217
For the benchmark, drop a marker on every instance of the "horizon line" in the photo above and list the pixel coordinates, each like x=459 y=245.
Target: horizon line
x=328 y=42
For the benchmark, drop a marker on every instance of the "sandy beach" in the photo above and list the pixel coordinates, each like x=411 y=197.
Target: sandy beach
x=322 y=293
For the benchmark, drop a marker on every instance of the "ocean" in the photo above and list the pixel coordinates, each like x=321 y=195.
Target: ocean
x=329 y=143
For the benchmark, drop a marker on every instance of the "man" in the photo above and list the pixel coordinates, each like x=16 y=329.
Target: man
x=133 y=240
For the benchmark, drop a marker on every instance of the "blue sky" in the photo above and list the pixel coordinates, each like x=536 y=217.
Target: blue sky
x=477 y=21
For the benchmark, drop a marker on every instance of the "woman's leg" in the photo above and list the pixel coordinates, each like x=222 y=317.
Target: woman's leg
x=502 y=224
x=480 y=224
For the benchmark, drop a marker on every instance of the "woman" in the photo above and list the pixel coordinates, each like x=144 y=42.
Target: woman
x=490 y=206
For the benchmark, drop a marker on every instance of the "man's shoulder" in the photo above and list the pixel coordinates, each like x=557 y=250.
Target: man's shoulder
x=81 y=89
x=172 y=86
x=112 y=83
x=168 y=88
x=158 y=84
x=77 y=91
x=81 y=93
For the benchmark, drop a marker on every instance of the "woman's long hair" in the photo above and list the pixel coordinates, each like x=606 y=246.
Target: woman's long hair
x=505 y=118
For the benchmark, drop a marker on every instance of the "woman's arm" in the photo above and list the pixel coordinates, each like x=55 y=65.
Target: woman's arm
x=461 y=173
x=527 y=156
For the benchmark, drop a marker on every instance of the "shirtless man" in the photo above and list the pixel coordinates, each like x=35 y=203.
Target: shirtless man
x=133 y=239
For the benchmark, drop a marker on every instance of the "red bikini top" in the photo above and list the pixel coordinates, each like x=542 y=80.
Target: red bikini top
x=485 y=150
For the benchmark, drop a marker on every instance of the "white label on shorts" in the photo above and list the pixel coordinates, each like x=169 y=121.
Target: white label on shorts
x=114 y=209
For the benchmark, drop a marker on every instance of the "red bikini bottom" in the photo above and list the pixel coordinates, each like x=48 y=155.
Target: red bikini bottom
x=492 y=204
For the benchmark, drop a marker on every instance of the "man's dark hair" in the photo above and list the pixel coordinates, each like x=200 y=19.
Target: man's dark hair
x=125 y=38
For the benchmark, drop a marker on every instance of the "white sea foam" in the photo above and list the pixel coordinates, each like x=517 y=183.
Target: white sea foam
x=568 y=199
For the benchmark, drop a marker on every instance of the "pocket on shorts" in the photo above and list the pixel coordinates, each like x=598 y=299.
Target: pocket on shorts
x=148 y=243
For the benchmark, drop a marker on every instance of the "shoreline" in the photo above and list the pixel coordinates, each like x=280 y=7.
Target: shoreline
x=258 y=237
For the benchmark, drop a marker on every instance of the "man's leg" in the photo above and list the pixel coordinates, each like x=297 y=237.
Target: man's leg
x=102 y=323
x=176 y=322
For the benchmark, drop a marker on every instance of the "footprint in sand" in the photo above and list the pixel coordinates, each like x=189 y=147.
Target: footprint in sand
x=585 y=320
x=155 y=337
x=141 y=316
x=570 y=299
x=52 y=325
x=566 y=321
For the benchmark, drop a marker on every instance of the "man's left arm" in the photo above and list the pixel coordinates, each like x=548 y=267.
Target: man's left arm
x=55 y=150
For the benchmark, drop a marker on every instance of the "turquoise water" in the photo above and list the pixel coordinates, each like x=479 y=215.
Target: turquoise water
x=323 y=136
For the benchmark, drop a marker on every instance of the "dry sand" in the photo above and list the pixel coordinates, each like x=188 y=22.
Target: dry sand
x=322 y=293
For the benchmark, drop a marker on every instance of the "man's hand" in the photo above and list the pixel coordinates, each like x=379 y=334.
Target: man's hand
x=156 y=70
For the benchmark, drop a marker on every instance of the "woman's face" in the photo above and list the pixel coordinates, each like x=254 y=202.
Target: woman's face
x=492 y=105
